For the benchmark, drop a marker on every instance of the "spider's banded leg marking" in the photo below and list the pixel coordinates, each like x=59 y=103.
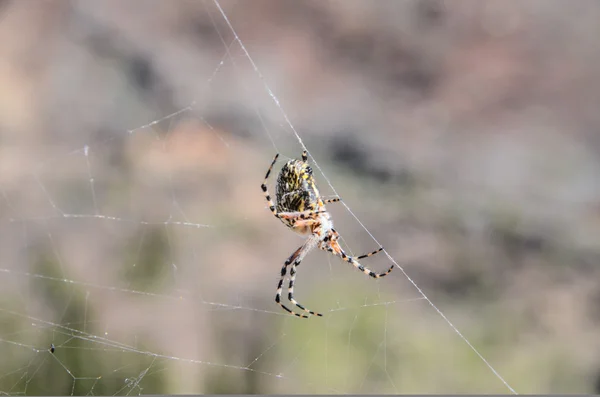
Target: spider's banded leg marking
x=265 y=190
x=370 y=253
x=291 y=290
x=280 y=286
x=333 y=200
x=335 y=236
x=304 y=156
x=363 y=269
x=335 y=249
x=300 y=215
x=271 y=166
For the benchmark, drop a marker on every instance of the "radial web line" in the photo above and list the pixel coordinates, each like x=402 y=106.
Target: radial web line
x=289 y=123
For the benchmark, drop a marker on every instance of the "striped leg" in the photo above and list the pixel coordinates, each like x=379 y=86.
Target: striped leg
x=264 y=187
x=334 y=248
x=300 y=219
x=291 y=291
x=335 y=236
x=333 y=200
x=370 y=253
x=299 y=215
x=363 y=269
x=294 y=260
x=280 y=287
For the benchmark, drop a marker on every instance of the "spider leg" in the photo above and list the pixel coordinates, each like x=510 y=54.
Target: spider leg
x=264 y=188
x=294 y=217
x=291 y=290
x=304 y=156
x=363 y=269
x=332 y=200
x=334 y=247
x=370 y=253
x=335 y=236
x=294 y=260
x=280 y=287
x=300 y=214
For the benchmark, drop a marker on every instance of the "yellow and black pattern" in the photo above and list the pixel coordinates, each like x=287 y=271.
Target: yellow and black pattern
x=296 y=190
x=300 y=207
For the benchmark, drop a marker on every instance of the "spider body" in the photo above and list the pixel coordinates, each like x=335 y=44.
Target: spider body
x=297 y=192
x=300 y=207
x=296 y=188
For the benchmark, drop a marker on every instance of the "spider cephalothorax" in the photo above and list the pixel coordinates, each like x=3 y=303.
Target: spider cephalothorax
x=300 y=207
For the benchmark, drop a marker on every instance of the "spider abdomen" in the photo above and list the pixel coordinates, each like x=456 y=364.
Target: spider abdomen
x=296 y=190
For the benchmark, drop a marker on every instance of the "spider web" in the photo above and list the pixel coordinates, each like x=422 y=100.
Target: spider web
x=144 y=261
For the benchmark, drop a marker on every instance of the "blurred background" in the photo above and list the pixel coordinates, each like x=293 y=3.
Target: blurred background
x=137 y=254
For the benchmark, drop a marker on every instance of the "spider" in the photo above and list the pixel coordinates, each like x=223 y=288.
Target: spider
x=301 y=208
